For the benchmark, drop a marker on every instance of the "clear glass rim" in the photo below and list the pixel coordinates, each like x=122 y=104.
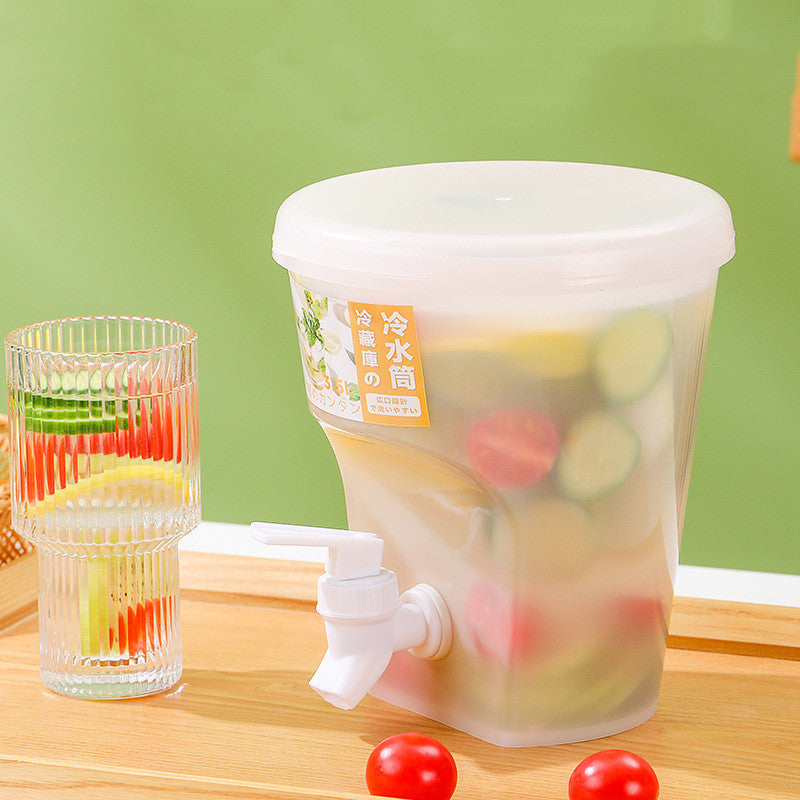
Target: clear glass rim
x=14 y=341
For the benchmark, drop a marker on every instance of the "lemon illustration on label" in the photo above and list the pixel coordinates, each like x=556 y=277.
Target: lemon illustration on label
x=330 y=342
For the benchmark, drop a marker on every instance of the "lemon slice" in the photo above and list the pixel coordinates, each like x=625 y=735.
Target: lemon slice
x=555 y=538
x=139 y=477
x=557 y=354
x=494 y=359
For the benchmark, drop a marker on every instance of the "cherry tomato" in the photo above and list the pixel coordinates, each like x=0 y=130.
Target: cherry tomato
x=412 y=766
x=613 y=775
x=512 y=448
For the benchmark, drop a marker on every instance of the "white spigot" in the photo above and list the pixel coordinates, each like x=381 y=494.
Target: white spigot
x=366 y=618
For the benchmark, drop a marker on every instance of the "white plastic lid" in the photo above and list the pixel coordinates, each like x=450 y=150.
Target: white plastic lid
x=534 y=225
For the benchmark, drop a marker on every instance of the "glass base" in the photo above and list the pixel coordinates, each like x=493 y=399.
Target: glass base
x=109 y=625
x=112 y=687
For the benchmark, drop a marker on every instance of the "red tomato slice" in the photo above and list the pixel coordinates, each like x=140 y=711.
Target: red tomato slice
x=62 y=461
x=168 y=421
x=140 y=624
x=133 y=448
x=38 y=464
x=148 y=615
x=141 y=629
x=513 y=448
x=123 y=638
x=49 y=456
x=143 y=433
x=157 y=606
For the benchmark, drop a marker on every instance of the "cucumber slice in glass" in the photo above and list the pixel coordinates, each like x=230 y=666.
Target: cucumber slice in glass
x=631 y=354
x=82 y=381
x=96 y=382
x=597 y=456
x=55 y=382
x=68 y=382
x=72 y=411
x=111 y=385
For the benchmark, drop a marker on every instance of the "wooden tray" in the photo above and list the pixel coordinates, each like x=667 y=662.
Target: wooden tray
x=244 y=724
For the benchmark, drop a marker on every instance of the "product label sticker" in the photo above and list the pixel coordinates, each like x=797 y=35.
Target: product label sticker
x=389 y=365
x=361 y=361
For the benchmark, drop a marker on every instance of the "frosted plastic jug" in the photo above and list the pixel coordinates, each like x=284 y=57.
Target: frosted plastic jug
x=507 y=359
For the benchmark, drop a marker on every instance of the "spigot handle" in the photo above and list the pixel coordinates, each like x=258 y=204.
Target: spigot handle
x=351 y=554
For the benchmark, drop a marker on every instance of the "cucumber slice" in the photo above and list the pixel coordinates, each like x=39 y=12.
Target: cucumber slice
x=55 y=382
x=632 y=353
x=598 y=455
x=96 y=382
x=68 y=382
x=111 y=382
x=75 y=412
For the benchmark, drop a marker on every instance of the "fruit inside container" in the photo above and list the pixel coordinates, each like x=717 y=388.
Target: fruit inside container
x=542 y=499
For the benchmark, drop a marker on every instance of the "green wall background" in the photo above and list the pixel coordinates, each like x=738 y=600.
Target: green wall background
x=145 y=147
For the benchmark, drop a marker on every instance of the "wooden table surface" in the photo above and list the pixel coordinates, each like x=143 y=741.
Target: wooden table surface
x=243 y=723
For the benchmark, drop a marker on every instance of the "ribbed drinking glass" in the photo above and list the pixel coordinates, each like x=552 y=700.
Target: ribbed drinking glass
x=105 y=480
